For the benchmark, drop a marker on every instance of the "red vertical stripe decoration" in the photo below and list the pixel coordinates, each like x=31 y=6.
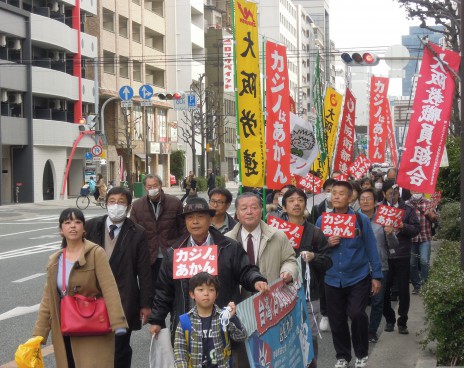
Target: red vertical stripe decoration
x=377 y=119
x=344 y=153
x=277 y=116
x=428 y=126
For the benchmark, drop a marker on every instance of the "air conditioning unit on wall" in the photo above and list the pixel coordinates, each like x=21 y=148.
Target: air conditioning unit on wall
x=2 y=40
x=15 y=98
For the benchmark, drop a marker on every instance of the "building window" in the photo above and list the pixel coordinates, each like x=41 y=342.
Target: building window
x=137 y=71
x=136 y=35
x=108 y=62
x=108 y=20
x=156 y=6
x=123 y=26
x=154 y=39
x=123 y=67
x=154 y=76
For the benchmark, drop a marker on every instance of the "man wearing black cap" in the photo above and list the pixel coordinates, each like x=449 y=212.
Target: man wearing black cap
x=234 y=269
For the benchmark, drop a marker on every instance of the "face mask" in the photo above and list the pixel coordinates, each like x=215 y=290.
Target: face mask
x=378 y=186
x=153 y=192
x=417 y=196
x=280 y=201
x=328 y=196
x=116 y=212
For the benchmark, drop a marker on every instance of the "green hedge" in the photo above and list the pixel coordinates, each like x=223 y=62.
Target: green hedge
x=220 y=182
x=449 y=227
x=201 y=184
x=443 y=296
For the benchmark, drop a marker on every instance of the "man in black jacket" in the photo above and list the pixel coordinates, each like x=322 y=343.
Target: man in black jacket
x=399 y=260
x=220 y=200
x=211 y=180
x=125 y=244
x=234 y=269
x=315 y=255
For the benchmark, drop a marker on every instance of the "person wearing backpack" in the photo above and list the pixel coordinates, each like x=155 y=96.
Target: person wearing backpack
x=201 y=340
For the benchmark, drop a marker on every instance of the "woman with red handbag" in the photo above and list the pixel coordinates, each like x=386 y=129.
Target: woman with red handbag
x=80 y=303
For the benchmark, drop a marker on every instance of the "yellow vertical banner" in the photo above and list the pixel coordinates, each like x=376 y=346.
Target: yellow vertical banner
x=249 y=117
x=332 y=110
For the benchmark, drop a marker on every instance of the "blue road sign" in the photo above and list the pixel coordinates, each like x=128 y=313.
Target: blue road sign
x=192 y=101
x=126 y=93
x=88 y=156
x=146 y=92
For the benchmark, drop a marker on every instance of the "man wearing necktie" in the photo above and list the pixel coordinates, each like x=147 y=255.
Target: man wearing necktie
x=126 y=246
x=268 y=248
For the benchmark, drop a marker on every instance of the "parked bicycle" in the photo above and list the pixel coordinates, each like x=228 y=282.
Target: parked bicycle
x=84 y=199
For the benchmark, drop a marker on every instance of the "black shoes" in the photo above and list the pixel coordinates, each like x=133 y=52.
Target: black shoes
x=403 y=330
x=416 y=291
x=389 y=327
x=373 y=338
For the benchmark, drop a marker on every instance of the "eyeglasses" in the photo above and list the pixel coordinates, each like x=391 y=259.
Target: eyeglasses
x=219 y=203
x=366 y=199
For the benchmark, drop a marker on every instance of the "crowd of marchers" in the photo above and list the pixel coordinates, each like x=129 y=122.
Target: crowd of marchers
x=127 y=255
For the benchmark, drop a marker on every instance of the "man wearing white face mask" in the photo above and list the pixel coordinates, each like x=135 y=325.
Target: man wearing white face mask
x=157 y=213
x=125 y=244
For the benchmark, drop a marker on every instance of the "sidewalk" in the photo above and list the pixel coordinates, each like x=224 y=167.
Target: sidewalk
x=404 y=351
x=71 y=202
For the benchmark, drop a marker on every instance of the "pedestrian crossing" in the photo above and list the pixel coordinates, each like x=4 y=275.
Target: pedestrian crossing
x=27 y=251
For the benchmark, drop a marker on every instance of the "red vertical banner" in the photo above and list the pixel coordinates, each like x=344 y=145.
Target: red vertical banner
x=277 y=116
x=345 y=145
x=428 y=126
x=391 y=138
x=377 y=119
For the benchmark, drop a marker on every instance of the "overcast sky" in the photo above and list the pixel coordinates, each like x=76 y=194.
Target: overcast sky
x=370 y=24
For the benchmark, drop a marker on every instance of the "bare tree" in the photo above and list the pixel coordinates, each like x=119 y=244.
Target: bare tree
x=444 y=13
x=202 y=125
x=126 y=143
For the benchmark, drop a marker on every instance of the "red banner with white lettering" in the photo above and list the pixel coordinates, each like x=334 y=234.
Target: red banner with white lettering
x=278 y=116
x=293 y=231
x=311 y=183
x=389 y=216
x=345 y=145
x=360 y=167
x=189 y=261
x=391 y=138
x=377 y=118
x=428 y=126
x=339 y=224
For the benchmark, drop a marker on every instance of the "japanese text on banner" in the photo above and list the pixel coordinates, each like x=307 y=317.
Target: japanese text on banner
x=428 y=126
x=377 y=118
x=293 y=232
x=360 y=167
x=227 y=51
x=311 y=183
x=278 y=116
x=345 y=145
x=187 y=262
x=250 y=120
x=389 y=216
x=339 y=224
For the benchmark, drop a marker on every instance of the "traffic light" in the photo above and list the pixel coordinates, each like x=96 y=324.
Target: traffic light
x=356 y=59
x=171 y=95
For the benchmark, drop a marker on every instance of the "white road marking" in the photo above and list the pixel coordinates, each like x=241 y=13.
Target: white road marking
x=29 y=278
x=28 y=231
x=54 y=217
x=30 y=250
x=19 y=311
x=45 y=237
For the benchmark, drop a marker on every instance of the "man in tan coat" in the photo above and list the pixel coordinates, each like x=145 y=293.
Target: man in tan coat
x=268 y=248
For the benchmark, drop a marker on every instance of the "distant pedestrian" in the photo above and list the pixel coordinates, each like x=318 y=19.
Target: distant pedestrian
x=211 y=180
x=190 y=186
x=101 y=187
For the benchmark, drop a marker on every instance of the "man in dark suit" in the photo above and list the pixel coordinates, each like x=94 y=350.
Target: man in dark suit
x=125 y=244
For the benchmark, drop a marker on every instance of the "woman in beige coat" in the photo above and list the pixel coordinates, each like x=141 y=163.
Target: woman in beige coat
x=102 y=188
x=90 y=275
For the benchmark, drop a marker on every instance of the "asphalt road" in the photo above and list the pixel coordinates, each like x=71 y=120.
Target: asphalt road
x=28 y=236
